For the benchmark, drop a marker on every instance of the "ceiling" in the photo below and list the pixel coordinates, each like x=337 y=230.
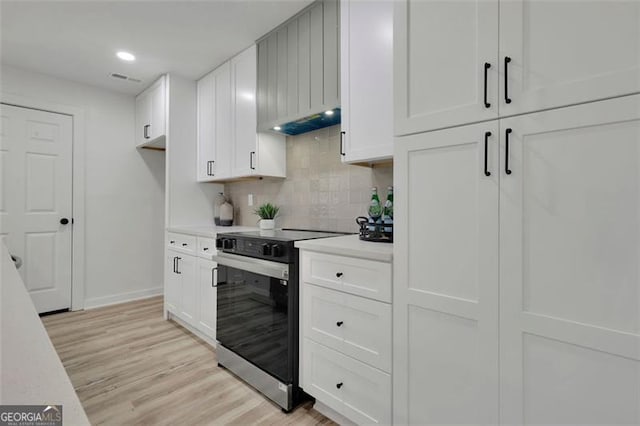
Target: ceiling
x=77 y=40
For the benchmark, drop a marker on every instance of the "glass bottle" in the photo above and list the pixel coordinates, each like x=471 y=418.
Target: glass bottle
x=375 y=210
x=387 y=212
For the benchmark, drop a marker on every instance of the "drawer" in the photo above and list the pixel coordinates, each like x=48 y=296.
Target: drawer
x=357 y=391
x=361 y=277
x=181 y=242
x=353 y=325
x=206 y=248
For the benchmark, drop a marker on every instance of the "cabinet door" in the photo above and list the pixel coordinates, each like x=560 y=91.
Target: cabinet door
x=243 y=70
x=207 y=281
x=143 y=118
x=330 y=54
x=441 y=48
x=569 y=256
x=445 y=285
x=223 y=124
x=567 y=52
x=206 y=164
x=173 y=285
x=367 y=80
x=158 y=121
x=186 y=267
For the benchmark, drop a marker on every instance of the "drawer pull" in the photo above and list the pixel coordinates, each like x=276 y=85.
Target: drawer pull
x=339 y=274
x=172 y=242
x=205 y=249
x=184 y=244
x=339 y=323
x=339 y=385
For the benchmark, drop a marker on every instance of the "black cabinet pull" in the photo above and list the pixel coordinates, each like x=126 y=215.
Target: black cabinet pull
x=487 y=65
x=178 y=259
x=486 y=153
x=64 y=221
x=146 y=127
x=342 y=143
x=339 y=323
x=175 y=259
x=210 y=168
x=507 y=99
x=339 y=274
x=251 y=154
x=184 y=244
x=213 y=279
x=205 y=249
x=339 y=385
x=506 y=151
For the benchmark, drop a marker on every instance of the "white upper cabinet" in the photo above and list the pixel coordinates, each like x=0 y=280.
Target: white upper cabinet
x=151 y=116
x=541 y=54
x=446 y=63
x=228 y=145
x=567 y=52
x=367 y=80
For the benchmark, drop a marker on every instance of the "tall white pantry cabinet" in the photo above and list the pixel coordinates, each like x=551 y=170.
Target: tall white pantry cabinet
x=517 y=252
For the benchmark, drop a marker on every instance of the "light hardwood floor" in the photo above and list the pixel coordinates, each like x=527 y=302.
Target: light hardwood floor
x=130 y=366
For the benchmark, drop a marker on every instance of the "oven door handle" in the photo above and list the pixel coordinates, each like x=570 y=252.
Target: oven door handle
x=257 y=266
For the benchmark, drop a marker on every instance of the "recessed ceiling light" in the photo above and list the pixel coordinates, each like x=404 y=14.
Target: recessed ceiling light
x=126 y=56
x=277 y=128
x=330 y=112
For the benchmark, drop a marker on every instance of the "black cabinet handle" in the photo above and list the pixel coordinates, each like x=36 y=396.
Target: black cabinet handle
x=64 y=221
x=487 y=65
x=175 y=260
x=251 y=154
x=342 y=143
x=339 y=274
x=184 y=244
x=339 y=385
x=178 y=259
x=146 y=134
x=339 y=323
x=507 y=99
x=172 y=242
x=486 y=153
x=506 y=151
x=210 y=168
x=205 y=249
x=213 y=279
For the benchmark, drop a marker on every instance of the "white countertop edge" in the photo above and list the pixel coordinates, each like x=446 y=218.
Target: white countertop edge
x=208 y=231
x=349 y=245
x=30 y=370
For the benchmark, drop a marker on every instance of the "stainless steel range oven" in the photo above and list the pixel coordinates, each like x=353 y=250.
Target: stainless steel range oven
x=257 y=310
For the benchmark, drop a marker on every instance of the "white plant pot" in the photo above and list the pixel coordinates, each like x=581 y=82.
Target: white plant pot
x=267 y=223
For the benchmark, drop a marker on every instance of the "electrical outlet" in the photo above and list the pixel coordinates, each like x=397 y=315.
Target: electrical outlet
x=250 y=200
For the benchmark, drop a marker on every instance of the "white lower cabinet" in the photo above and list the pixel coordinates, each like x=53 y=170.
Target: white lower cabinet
x=345 y=337
x=356 y=390
x=190 y=282
x=516 y=270
x=207 y=282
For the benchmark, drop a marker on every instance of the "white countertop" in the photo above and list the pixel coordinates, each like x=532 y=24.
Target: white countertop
x=349 y=245
x=209 y=231
x=31 y=372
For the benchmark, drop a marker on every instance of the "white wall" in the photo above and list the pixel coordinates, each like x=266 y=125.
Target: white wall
x=124 y=200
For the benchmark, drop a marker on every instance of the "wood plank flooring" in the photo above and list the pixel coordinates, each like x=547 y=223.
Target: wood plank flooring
x=130 y=366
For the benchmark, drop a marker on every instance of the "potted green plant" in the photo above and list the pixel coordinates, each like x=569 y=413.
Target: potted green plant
x=267 y=213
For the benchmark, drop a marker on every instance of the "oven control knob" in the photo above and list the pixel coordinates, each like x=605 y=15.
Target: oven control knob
x=276 y=250
x=266 y=249
x=219 y=242
x=228 y=243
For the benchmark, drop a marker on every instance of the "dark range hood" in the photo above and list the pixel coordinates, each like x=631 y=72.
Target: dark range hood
x=310 y=123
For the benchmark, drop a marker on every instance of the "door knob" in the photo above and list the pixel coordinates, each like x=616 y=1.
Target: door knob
x=64 y=221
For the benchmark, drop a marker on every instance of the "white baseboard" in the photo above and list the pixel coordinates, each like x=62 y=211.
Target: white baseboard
x=97 y=302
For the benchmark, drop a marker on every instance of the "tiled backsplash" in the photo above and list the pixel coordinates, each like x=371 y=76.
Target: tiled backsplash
x=319 y=192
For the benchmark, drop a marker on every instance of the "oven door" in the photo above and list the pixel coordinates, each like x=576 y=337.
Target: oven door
x=253 y=313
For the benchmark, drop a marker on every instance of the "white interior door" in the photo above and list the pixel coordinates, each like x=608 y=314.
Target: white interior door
x=565 y=52
x=35 y=194
x=445 y=286
x=570 y=266
x=440 y=51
